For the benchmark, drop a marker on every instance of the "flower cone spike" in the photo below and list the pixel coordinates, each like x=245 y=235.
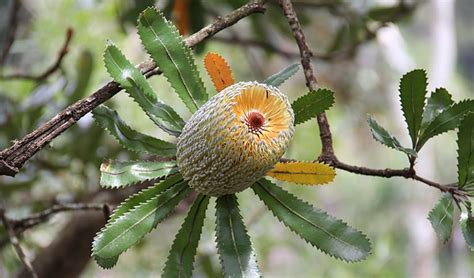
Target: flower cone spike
x=235 y=138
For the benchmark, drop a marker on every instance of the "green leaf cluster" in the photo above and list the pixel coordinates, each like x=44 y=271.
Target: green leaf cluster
x=138 y=215
x=439 y=115
x=442 y=216
x=425 y=119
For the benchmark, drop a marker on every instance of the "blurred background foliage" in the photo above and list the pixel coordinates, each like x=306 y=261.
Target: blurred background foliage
x=361 y=50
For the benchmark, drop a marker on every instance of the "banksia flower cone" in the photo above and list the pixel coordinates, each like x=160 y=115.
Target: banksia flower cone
x=235 y=138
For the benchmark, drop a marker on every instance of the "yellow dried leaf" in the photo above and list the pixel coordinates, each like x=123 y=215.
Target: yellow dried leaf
x=218 y=70
x=311 y=173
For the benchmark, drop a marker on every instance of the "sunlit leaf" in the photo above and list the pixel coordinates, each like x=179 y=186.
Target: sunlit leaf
x=466 y=153
x=129 y=138
x=167 y=48
x=116 y=174
x=328 y=234
x=128 y=229
x=181 y=257
x=383 y=136
x=233 y=243
x=133 y=81
x=301 y=172
x=447 y=120
x=439 y=101
x=278 y=78
x=441 y=217
x=311 y=104
x=218 y=70
x=412 y=97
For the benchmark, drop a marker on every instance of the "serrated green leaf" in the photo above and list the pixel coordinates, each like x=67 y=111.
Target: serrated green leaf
x=233 y=243
x=130 y=138
x=467 y=228
x=439 y=101
x=381 y=135
x=132 y=226
x=412 y=97
x=328 y=234
x=133 y=81
x=447 y=120
x=181 y=257
x=132 y=201
x=144 y=195
x=466 y=153
x=278 y=78
x=441 y=217
x=311 y=104
x=116 y=174
x=106 y=263
x=167 y=48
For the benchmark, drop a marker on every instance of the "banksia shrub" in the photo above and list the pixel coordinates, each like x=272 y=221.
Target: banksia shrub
x=229 y=144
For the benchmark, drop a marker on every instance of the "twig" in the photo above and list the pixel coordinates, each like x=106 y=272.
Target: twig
x=327 y=152
x=20 y=225
x=287 y=54
x=16 y=244
x=255 y=43
x=53 y=68
x=10 y=36
x=408 y=173
x=14 y=157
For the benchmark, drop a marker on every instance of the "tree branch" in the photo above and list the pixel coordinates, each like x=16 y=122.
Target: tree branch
x=327 y=152
x=20 y=225
x=256 y=43
x=16 y=244
x=52 y=69
x=10 y=36
x=14 y=157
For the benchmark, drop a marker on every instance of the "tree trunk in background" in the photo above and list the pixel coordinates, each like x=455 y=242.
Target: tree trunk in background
x=69 y=253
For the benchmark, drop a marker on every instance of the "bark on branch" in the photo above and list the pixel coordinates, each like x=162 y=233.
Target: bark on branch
x=14 y=157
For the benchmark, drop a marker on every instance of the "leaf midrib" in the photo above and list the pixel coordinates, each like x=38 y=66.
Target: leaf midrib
x=313 y=102
x=181 y=256
x=172 y=60
x=234 y=244
x=433 y=129
x=306 y=220
x=154 y=98
x=141 y=219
